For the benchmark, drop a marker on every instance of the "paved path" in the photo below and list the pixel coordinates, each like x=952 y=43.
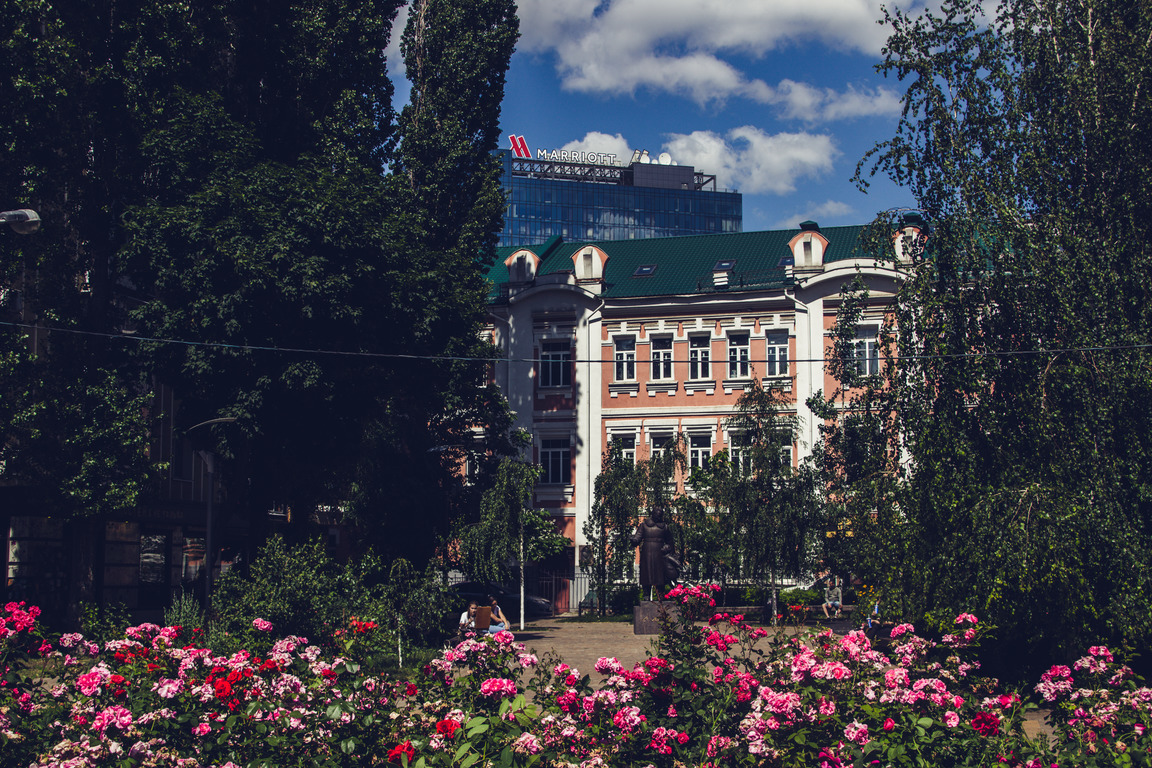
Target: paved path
x=580 y=643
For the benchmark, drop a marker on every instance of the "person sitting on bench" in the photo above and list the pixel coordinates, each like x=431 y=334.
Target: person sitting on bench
x=468 y=618
x=499 y=621
x=832 y=597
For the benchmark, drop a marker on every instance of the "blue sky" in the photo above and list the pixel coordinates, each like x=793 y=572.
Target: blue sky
x=777 y=98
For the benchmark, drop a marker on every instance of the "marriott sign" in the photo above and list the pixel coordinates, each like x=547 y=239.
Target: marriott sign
x=520 y=150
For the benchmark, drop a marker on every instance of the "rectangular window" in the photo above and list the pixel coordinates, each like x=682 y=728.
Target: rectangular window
x=738 y=367
x=627 y=445
x=662 y=358
x=659 y=441
x=699 y=451
x=739 y=455
x=699 y=353
x=626 y=359
x=776 y=360
x=867 y=356
x=556 y=364
x=556 y=460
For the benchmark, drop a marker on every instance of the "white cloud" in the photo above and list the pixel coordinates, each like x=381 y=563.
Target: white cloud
x=544 y=23
x=618 y=46
x=755 y=162
x=594 y=141
x=829 y=209
x=801 y=101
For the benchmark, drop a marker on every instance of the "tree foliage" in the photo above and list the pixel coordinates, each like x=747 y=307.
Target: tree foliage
x=756 y=516
x=608 y=555
x=511 y=533
x=1022 y=376
x=234 y=176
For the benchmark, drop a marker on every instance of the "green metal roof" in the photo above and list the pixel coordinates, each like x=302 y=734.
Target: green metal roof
x=684 y=265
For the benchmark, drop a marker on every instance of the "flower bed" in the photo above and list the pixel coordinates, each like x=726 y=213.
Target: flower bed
x=723 y=693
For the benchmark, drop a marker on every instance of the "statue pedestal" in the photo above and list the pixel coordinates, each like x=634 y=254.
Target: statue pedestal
x=646 y=616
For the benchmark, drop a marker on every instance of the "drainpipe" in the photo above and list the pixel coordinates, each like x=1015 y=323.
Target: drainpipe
x=802 y=307
x=508 y=325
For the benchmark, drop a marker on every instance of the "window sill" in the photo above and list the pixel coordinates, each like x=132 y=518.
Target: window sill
x=708 y=386
x=733 y=384
x=555 y=492
x=630 y=388
x=662 y=386
x=777 y=382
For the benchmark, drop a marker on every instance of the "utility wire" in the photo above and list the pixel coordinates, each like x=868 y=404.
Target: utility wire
x=610 y=361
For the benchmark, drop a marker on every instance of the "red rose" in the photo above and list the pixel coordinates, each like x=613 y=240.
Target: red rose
x=410 y=690
x=223 y=689
x=889 y=724
x=401 y=749
x=986 y=724
x=447 y=727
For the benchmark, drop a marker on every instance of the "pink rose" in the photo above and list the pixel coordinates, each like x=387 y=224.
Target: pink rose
x=889 y=724
x=262 y=625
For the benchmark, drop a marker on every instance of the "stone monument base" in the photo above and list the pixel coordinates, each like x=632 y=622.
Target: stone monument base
x=646 y=616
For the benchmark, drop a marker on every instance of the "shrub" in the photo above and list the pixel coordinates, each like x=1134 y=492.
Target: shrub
x=104 y=622
x=300 y=591
x=800 y=597
x=185 y=611
x=721 y=695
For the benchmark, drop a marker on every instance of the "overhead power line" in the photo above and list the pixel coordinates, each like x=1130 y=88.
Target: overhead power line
x=609 y=361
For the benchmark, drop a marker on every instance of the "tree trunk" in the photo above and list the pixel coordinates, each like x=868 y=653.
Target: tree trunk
x=521 y=576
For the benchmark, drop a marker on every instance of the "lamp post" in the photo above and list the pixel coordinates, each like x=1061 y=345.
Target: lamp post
x=209 y=459
x=24 y=221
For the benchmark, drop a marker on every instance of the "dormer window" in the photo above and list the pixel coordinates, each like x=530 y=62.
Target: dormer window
x=588 y=262
x=808 y=247
x=909 y=240
x=522 y=266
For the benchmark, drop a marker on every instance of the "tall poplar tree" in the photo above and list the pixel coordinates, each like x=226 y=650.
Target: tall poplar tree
x=233 y=176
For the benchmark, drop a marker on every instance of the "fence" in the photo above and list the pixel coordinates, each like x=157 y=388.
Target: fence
x=564 y=592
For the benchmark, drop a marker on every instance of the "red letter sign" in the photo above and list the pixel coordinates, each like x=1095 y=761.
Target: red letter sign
x=520 y=147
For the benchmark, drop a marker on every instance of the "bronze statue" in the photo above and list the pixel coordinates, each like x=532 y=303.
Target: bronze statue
x=658 y=563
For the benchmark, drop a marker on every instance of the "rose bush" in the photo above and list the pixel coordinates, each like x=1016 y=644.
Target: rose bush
x=716 y=692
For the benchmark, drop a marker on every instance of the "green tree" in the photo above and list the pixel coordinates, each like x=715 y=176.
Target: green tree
x=234 y=176
x=609 y=554
x=1022 y=376
x=72 y=424
x=857 y=459
x=764 y=510
x=511 y=533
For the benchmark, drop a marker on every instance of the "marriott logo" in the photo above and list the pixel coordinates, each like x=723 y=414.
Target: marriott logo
x=519 y=147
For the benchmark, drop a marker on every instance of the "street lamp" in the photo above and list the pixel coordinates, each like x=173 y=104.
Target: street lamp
x=24 y=221
x=209 y=459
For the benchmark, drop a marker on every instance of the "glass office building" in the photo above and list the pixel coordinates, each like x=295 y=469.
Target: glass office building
x=586 y=201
